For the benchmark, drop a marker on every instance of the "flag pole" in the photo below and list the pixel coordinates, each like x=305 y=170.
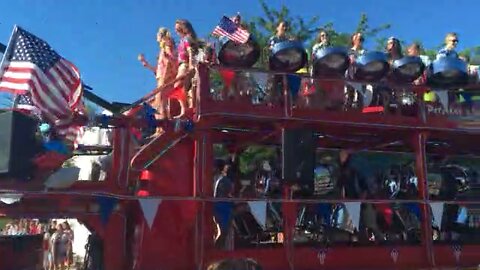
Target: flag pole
x=8 y=49
x=6 y=53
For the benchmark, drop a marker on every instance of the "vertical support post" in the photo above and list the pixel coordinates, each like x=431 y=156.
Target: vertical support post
x=120 y=174
x=422 y=108
x=197 y=174
x=419 y=145
x=287 y=104
x=202 y=187
x=203 y=89
x=206 y=230
x=289 y=209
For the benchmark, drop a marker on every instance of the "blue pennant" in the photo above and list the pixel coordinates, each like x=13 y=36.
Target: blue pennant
x=223 y=212
x=294 y=83
x=104 y=119
x=189 y=126
x=107 y=204
x=414 y=208
x=149 y=113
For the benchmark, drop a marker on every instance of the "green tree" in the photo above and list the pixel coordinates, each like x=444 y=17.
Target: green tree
x=263 y=27
x=473 y=53
x=372 y=33
x=253 y=155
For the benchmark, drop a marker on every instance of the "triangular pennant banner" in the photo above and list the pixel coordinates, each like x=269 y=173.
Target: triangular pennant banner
x=443 y=96
x=353 y=209
x=462 y=216
x=10 y=198
x=260 y=78
x=106 y=204
x=227 y=76
x=414 y=208
x=294 y=83
x=437 y=212
x=223 y=212
x=149 y=208
x=259 y=212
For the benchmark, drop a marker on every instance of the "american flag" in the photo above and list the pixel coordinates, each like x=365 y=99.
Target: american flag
x=24 y=102
x=229 y=29
x=52 y=84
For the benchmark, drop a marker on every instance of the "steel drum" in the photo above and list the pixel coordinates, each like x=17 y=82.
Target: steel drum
x=371 y=66
x=288 y=56
x=238 y=55
x=447 y=72
x=407 y=69
x=330 y=61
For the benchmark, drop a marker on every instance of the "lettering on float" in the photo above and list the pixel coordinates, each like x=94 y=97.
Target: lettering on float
x=441 y=111
x=456 y=109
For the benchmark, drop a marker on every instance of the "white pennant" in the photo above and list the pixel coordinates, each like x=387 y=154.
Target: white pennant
x=259 y=211
x=437 y=212
x=66 y=177
x=149 y=208
x=10 y=198
x=353 y=209
x=443 y=96
x=260 y=78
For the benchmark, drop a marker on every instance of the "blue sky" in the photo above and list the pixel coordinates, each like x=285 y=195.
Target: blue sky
x=104 y=37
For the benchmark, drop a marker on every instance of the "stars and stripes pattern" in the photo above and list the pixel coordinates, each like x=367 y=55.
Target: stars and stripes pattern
x=24 y=103
x=50 y=83
x=229 y=29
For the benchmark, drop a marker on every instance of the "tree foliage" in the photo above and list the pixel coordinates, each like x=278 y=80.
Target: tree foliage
x=262 y=27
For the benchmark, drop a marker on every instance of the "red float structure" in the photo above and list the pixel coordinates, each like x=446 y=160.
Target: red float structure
x=156 y=208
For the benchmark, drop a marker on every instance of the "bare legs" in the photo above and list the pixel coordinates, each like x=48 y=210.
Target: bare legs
x=180 y=86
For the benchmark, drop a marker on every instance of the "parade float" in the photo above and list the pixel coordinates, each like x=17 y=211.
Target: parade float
x=155 y=203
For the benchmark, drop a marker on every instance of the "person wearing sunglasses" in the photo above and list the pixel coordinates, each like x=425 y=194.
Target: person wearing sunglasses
x=322 y=41
x=451 y=42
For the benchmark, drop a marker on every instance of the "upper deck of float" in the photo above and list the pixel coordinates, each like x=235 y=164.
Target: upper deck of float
x=338 y=86
x=246 y=101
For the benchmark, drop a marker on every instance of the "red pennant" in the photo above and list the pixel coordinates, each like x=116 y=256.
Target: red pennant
x=228 y=77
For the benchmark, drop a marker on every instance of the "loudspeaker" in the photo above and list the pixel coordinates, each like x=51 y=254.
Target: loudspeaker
x=298 y=157
x=18 y=144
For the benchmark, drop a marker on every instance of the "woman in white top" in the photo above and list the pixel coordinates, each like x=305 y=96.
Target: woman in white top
x=47 y=256
x=321 y=42
x=352 y=89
